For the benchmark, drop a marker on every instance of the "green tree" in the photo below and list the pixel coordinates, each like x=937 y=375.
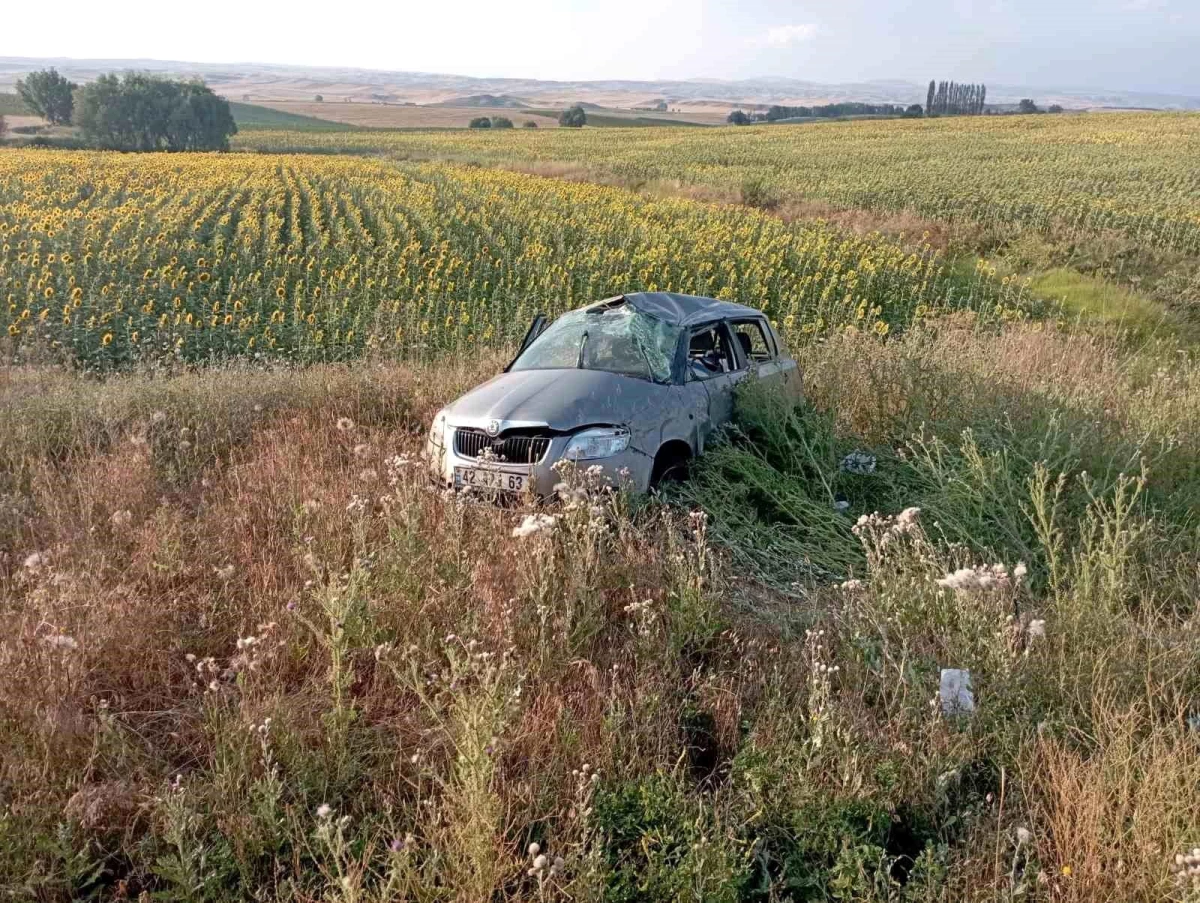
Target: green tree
x=1054 y=108
x=1027 y=106
x=145 y=113
x=529 y=124
x=320 y=98
x=913 y=111
x=501 y=122
x=49 y=95
x=480 y=122
x=573 y=117
x=737 y=117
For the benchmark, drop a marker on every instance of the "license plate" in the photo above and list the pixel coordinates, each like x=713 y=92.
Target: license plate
x=480 y=478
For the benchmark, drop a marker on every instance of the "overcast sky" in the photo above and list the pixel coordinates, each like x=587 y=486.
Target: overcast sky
x=1151 y=45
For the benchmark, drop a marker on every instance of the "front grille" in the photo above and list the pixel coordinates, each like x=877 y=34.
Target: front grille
x=471 y=443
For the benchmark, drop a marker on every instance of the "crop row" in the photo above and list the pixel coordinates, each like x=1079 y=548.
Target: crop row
x=110 y=259
x=1134 y=174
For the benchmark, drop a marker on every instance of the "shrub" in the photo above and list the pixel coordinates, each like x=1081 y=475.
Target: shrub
x=529 y=124
x=146 y=113
x=758 y=192
x=480 y=122
x=573 y=117
x=501 y=122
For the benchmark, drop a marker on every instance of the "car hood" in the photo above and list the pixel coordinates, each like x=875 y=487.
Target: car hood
x=562 y=399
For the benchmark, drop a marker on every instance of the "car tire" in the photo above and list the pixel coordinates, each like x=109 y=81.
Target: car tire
x=671 y=465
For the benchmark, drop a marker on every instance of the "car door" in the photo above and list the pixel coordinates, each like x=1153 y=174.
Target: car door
x=757 y=342
x=714 y=368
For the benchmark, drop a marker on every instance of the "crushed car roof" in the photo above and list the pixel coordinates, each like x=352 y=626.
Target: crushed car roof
x=682 y=310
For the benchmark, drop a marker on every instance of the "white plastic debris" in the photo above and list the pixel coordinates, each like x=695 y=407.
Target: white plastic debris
x=955 y=692
x=859 y=462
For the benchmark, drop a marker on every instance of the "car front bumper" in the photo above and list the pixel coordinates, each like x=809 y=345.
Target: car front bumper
x=630 y=468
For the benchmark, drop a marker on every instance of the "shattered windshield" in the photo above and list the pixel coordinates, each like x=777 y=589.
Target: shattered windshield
x=619 y=339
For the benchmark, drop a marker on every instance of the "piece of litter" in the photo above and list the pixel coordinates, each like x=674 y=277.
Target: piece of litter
x=858 y=462
x=955 y=692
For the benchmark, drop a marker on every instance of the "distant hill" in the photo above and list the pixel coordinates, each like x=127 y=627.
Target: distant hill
x=265 y=81
x=483 y=100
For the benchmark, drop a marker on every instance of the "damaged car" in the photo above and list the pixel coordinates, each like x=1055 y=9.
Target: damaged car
x=635 y=384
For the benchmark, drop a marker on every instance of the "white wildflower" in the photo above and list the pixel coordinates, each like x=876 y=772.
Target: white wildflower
x=1037 y=628
x=324 y=810
x=62 y=641
x=982 y=578
x=362 y=450
x=853 y=586
x=534 y=523
x=1024 y=836
x=962 y=579
x=121 y=518
x=344 y=424
x=226 y=572
x=1020 y=571
x=36 y=560
x=158 y=417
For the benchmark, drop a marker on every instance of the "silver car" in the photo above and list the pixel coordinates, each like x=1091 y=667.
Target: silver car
x=635 y=384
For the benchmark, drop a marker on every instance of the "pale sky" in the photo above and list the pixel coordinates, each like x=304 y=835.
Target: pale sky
x=1149 y=45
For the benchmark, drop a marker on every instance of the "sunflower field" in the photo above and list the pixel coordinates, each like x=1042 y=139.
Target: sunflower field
x=111 y=260
x=1133 y=174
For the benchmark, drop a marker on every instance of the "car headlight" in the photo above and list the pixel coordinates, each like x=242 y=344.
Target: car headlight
x=599 y=442
x=437 y=429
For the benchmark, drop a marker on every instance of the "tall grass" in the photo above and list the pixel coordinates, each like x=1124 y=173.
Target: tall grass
x=249 y=653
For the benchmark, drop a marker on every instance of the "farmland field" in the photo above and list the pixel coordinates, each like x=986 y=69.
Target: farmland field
x=249 y=652
x=110 y=259
x=368 y=115
x=1136 y=174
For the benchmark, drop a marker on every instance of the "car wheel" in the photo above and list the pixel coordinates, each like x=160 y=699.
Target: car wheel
x=671 y=464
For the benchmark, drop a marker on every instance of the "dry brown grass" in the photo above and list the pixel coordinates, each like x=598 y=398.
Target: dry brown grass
x=426 y=673
x=1110 y=799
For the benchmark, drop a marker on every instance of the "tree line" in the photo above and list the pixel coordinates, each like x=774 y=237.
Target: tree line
x=942 y=99
x=133 y=112
x=953 y=99
x=827 y=111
